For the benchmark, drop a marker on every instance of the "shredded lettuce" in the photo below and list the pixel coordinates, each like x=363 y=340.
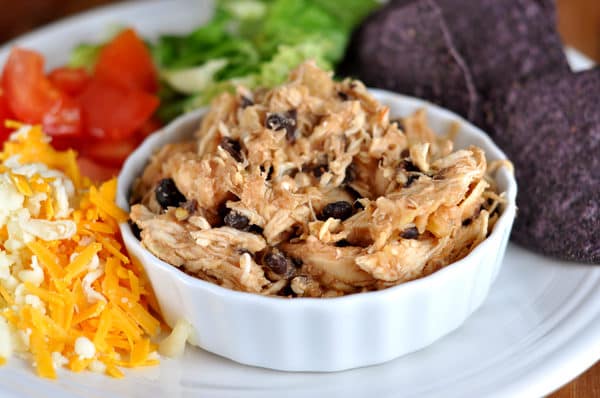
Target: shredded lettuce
x=256 y=43
x=84 y=56
x=276 y=70
x=195 y=79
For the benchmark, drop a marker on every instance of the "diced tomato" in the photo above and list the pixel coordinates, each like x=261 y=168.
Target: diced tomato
x=5 y=114
x=148 y=128
x=114 y=112
x=69 y=80
x=96 y=172
x=127 y=61
x=110 y=153
x=32 y=98
x=63 y=143
x=64 y=119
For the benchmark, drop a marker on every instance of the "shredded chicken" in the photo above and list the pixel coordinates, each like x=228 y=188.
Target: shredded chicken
x=311 y=190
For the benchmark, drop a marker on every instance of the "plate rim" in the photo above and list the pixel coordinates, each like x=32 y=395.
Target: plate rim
x=563 y=363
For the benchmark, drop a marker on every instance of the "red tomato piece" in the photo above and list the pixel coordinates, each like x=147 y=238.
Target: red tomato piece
x=96 y=172
x=114 y=112
x=127 y=61
x=5 y=114
x=64 y=119
x=148 y=128
x=32 y=98
x=110 y=153
x=69 y=80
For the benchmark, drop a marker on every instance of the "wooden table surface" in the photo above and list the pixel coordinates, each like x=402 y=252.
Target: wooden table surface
x=579 y=24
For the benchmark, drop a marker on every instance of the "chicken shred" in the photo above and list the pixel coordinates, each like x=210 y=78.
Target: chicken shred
x=311 y=190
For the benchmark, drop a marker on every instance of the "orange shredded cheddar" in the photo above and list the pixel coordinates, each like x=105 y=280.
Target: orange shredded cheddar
x=6 y=296
x=43 y=359
x=22 y=184
x=114 y=372
x=78 y=298
x=79 y=263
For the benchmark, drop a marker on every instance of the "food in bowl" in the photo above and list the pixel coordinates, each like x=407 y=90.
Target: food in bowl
x=310 y=190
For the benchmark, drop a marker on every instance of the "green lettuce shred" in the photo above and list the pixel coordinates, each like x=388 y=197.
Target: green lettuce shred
x=260 y=41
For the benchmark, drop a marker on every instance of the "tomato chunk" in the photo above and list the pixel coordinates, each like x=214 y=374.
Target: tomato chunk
x=96 y=172
x=32 y=98
x=69 y=80
x=127 y=61
x=111 y=153
x=5 y=114
x=114 y=112
x=151 y=126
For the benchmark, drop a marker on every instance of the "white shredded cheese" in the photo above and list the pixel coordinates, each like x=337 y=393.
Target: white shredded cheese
x=174 y=344
x=91 y=294
x=58 y=360
x=5 y=264
x=85 y=348
x=50 y=230
x=35 y=275
x=35 y=302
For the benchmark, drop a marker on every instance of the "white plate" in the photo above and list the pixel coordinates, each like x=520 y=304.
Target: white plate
x=538 y=329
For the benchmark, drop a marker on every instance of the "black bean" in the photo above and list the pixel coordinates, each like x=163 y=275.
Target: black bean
x=410 y=233
x=317 y=170
x=407 y=165
x=275 y=121
x=290 y=128
x=167 y=194
x=287 y=291
x=342 y=243
x=350 y=174
x=343 y=96
x=232 y=147
x=135 y=230
x=269 y=172
x=255 y=229
x=297 y=262
x=236 y=220
x=283 y=121
x=340 y=210
x=246 y=102
x=277 y=262
x=411 y=178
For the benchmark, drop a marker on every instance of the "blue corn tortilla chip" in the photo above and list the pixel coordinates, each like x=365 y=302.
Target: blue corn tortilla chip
x=550 y=128
x=505 y=41
x=407 y=48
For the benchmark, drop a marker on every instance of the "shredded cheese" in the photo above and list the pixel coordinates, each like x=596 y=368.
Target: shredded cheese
x=69 y=295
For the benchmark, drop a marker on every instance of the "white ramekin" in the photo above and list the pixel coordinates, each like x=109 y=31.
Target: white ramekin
x=324 y=335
